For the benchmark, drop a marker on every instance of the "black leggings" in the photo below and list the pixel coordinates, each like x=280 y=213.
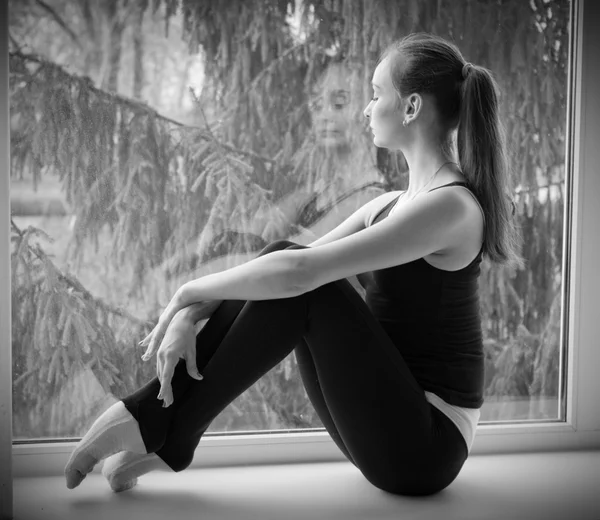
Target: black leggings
x=354 y=375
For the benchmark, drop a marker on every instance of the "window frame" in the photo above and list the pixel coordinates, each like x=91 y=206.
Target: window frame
x=580 y=430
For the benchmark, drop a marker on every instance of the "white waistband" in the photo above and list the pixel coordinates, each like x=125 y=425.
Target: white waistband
x=465 y=419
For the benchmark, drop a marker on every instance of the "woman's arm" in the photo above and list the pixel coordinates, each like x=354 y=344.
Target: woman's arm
x=271 y=276
x=275 y=275
x=198 y=311
x=357 y=221
x=436 y=222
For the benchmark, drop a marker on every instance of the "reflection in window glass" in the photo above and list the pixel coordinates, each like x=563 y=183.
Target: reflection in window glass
x=141 y=160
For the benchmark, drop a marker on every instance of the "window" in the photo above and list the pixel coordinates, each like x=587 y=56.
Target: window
x=138 y=179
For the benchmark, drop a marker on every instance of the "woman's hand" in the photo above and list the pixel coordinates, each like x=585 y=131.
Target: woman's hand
x=179 y=341
x=152 y=340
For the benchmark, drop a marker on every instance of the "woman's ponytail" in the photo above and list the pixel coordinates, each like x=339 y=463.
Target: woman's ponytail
x=483 y=161
x=466 y=97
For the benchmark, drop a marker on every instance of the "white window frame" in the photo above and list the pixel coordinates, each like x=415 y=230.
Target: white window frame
x=581 y=430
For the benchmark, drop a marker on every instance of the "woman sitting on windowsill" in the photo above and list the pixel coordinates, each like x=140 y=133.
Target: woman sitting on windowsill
x=397 y=380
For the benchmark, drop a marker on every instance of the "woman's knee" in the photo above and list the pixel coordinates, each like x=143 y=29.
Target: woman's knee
x=404 y=479
x=177 y=461
x=401 y=486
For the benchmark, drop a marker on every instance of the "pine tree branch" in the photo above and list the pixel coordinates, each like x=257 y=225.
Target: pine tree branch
x=59 y=21
x=272 y=65
x=24 y=376
x=14 y=42
x=136 y=106
x=76 y=285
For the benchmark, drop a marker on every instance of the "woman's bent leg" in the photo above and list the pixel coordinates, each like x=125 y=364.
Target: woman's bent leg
x=374 y=405
x=154 y=420
x=310 y=380
x=394 y=436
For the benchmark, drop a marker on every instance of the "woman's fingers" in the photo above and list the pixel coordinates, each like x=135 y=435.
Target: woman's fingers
x=166 y=393
x=153 y=340
x=149 y=351
x=190 y=362
x=144 y=342
x=157 y=335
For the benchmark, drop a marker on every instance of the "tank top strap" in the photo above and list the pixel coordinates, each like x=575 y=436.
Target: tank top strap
x=455 y=183
x=385 y=211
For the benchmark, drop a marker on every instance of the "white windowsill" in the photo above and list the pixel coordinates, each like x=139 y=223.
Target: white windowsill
x=49 y=459
x=540 y=486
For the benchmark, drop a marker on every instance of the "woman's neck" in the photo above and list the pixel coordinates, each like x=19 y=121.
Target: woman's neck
x=424 y=161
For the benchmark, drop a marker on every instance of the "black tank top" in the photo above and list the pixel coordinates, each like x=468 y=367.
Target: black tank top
x=433 y=317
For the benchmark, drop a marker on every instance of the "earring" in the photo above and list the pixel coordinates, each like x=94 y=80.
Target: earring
x=404 y=123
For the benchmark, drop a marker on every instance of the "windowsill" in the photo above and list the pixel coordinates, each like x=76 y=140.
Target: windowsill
x=531 y=486
x=49 y=459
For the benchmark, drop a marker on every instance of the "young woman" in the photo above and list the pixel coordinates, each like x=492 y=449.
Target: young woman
x=397 y=380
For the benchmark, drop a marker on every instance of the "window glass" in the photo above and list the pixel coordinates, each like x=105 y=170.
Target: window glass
x=153 y=145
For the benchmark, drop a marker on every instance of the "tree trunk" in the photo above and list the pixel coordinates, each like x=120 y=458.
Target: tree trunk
x=138 y=54
x=93 y=61
x=114 y=50
x=183 y=85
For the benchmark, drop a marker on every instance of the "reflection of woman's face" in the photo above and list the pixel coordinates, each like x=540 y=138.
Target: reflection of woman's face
x=330 y=110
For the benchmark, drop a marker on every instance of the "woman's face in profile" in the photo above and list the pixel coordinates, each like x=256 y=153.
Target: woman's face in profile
x=384 y=110
x=330 y=110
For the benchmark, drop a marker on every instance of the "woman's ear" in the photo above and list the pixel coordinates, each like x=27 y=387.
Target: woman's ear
x=412 y=107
